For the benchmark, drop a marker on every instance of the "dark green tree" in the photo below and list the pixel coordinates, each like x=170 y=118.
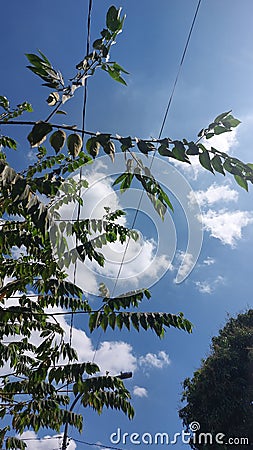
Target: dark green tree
x=220 y=395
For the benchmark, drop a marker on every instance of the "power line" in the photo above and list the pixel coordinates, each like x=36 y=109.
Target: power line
x=160 y=133
x=179 y=69
x=65 y=434
x=97 y=445
x=50 y=438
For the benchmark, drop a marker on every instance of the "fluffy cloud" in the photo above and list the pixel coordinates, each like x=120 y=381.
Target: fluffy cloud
x=46 y=443
x=214 y=194
x=209 y=261
x=111 y=356
x=140 y=263
x=226 y=225
x=144 y=261
x=205 y=287
x=154 y=360
x=140 y=391
x=225 y=142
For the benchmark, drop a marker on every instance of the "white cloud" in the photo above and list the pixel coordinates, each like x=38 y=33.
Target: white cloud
x=138 y=261
x=205 y=287
x=209 y=261
x=144 y=261
x=214 y=194
x=111 y=356
x=224 y=142
x=116 y=357
x=186 y=263
x=140 y=391
x=158 y=361
x=226 y=225
x=45 y=443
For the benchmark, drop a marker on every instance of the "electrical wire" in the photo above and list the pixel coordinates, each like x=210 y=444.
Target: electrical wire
x=83 y=125
x=97 y=445
x=50 y=438
x=65 y=434
x=160 y=134
x=179 y=69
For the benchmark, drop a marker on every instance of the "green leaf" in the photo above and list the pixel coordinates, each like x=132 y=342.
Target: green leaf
x=192 y=149
x=166 y=199
x=117 y=67
x=179 y=152
x=97 y=44
x=36 y=60
x=222 y=116
x=4 y=103
x=230 y=122
x=93 y=146
x=145 y=147
x=39 y=133
x=120 y=178
x=231 y=168
x=209 y=135
x=126 y=143
x=143 y=321
x=6 y=141
x=112 y=320
x=113 y=21
x=241 y=181
x=60 y=111
x=204 y=160
x=135 y=321
x=57 y=140
x=106 y=34
x=104 y=322
x=44 y=58
x=126 y=183
x=164 y=151
x=219 y=130
x=217 y=164
x=74 y=144
x=115 y=75
x=109 y=149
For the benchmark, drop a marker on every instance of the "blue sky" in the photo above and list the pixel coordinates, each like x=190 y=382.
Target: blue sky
x=216 y=76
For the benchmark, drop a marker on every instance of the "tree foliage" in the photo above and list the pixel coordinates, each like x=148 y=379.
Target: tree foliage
x=32 y=391
x=220 y=394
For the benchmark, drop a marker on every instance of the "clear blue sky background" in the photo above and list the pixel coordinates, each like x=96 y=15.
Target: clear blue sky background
x=216 y=76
